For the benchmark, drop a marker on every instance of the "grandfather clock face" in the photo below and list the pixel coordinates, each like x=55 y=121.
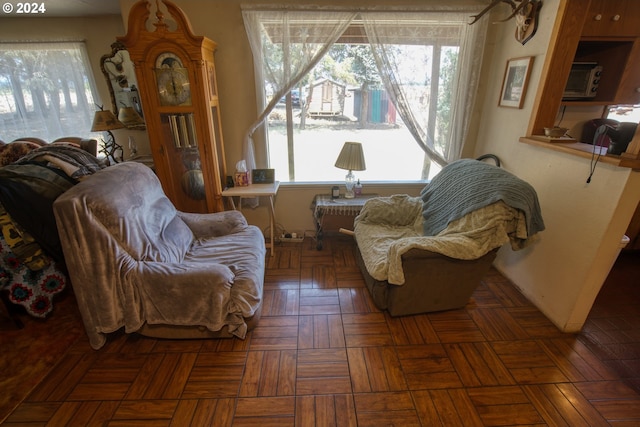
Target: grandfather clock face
x=173 y=85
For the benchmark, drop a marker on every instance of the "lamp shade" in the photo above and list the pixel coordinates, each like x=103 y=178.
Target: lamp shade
x=351 y=157
x=104 y=120
x=128 y=116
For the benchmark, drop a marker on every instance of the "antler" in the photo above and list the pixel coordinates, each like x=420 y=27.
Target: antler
x=493 y=4
x=517 y=10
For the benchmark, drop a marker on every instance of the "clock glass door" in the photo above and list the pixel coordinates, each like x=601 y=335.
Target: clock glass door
x=181 y=148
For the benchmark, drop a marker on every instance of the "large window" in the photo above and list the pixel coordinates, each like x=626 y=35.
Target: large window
x=343 y=99
x=401 y=83
x=46 y=91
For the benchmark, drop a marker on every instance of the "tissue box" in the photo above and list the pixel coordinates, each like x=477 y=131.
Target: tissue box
x=242 y=179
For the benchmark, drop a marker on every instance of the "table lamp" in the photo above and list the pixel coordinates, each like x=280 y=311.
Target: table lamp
x=351 y=158
x=105 y=121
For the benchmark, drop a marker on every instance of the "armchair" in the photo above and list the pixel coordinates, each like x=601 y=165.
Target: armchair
x=136 y=262
x=429 y=253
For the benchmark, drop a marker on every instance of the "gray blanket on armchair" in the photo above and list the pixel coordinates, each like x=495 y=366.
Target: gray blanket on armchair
x=476 y=185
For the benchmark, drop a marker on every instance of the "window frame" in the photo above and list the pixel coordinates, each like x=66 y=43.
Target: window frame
x=355 y=32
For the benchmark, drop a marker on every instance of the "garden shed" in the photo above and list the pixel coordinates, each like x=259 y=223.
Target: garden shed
x=327 y=98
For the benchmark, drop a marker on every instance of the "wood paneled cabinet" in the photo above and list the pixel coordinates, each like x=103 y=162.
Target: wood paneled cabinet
x=619 y=57
x=607 y=18
x=629 y=87
x=177 y=78
x=580 y=36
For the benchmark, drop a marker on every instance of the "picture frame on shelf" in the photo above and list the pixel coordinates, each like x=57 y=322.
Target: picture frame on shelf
x=515 y=82
x=263 y=176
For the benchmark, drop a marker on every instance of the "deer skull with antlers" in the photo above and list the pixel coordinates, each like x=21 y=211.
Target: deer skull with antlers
x=524 y=11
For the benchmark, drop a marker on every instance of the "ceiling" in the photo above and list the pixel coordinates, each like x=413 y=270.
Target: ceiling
x=61 y=8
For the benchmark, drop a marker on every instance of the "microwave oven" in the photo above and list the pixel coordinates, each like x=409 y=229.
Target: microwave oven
x=583 y=81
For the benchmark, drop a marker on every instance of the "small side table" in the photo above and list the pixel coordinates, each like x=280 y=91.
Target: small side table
x=324 y=205
x=257 y=190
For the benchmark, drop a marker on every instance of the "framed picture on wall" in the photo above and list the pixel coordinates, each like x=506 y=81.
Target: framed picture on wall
x=515 y=81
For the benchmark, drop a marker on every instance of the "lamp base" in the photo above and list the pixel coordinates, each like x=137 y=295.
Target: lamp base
x=349 y=182
x=111 y=149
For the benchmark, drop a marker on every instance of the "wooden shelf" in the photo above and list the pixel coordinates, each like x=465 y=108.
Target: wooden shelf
x=586 y=103
x=583 y=150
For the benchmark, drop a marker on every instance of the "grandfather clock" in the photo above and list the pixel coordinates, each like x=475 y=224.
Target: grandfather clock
x=177 y=82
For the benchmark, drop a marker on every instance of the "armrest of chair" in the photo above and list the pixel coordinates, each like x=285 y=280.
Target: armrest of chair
x=214 y=224
x=88 y=145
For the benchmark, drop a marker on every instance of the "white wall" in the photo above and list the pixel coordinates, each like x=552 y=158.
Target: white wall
x=585 y=223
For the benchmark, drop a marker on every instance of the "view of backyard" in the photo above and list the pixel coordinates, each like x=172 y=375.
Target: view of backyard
x=347 y=102
x=316 y=149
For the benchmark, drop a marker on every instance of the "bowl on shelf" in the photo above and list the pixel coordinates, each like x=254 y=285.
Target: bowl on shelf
x=555 y=132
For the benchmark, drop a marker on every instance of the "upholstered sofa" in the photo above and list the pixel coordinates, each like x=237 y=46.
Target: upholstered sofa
x=137 y=263
x=429 y=253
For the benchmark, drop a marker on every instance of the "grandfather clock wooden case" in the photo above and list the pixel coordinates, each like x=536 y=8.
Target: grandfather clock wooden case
x=177 y=78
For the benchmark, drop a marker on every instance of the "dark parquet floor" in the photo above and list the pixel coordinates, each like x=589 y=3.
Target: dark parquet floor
x=323 y=355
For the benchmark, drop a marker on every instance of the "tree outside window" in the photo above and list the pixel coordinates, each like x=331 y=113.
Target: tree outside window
x=46 y=91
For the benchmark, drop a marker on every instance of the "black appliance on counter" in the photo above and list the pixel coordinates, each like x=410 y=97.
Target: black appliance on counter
x=609 y=133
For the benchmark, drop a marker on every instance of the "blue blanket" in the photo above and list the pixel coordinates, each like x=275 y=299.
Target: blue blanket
x=466 y=185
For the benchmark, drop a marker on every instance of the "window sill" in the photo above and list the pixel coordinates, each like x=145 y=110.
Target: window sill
x=324 y=184
x=583 y=150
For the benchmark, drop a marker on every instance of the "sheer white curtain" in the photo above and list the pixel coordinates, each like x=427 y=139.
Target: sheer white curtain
x=46 y=90
x=286 y=45
x=434 y=100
